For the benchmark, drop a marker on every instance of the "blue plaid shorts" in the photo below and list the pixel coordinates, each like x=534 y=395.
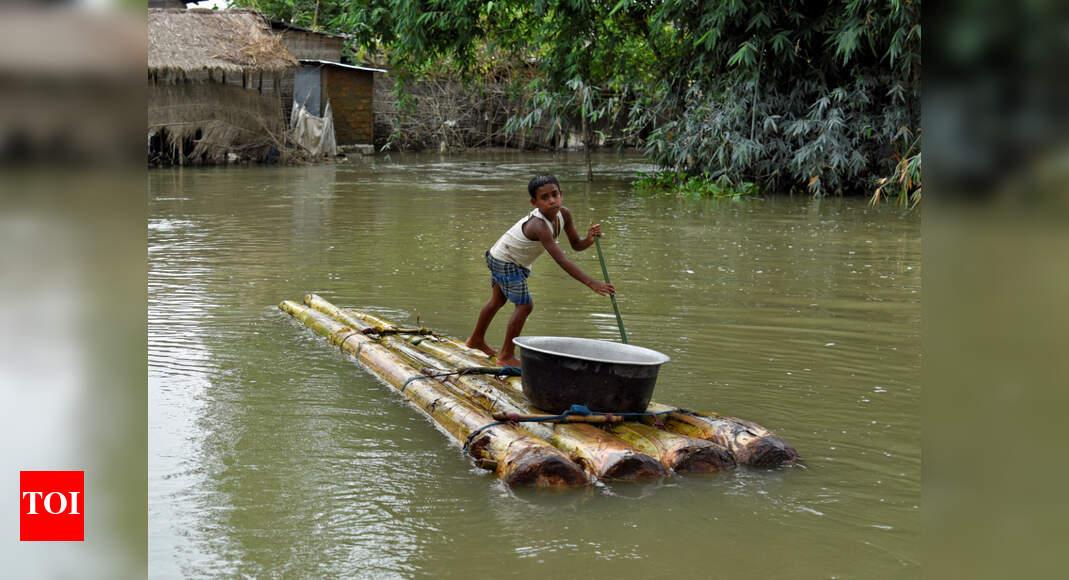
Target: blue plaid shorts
x=511 y=278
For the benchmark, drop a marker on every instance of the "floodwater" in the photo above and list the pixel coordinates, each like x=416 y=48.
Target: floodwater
x=272 y=454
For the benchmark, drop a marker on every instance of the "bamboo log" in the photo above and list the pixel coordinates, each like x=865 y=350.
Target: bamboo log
x=602 y=455
x=558 y=418
x=674 y=451
x=585 y=442
x=680 y=452
x=751 y=443
x=515 y=456
x=688 y=453
x=366 y=320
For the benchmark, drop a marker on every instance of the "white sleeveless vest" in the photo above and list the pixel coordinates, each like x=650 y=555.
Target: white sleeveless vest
x=514 y=247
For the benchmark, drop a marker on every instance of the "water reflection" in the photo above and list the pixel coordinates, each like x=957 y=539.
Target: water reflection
x=271 y=454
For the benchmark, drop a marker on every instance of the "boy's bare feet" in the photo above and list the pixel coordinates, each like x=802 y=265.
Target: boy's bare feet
x=481 y=346
x=508 y=361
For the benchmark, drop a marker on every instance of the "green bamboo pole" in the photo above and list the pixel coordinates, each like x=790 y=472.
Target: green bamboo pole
x=615 y=308
x=602 y=455
x=512 y=453
x=682 y=453
x=751 y=443
x=693 y=452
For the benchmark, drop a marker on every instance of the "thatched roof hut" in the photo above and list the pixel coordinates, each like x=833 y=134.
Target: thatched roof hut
x=214 y=86
x=200 y=39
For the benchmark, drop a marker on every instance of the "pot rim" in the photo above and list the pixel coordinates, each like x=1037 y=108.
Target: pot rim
x=531 y=343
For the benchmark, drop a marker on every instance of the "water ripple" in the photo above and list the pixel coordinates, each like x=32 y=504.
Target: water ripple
x=272 y=454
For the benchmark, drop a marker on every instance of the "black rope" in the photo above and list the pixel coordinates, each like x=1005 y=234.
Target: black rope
x=384 y=331
x=496 y=371
x=467 y=442
x=578 y=410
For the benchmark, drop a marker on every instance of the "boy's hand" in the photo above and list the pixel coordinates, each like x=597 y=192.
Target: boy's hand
x=595 y=231
x=601 y=288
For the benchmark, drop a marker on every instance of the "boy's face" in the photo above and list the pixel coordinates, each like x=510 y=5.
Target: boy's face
x=548 y=199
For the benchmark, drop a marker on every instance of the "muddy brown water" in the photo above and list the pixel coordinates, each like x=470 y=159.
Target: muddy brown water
x=271 y=454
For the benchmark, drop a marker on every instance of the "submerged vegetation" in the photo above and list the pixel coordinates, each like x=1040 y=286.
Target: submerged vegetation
x=680 y=184
x=794 y=96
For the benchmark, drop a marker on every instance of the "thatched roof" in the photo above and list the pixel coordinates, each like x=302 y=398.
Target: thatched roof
x=227 y=40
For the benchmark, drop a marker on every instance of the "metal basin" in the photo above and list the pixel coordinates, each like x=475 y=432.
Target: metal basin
x=559 y=372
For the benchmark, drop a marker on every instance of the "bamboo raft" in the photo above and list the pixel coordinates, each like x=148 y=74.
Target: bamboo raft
x=491 y=419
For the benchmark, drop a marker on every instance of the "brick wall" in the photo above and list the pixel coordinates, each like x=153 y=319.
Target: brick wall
x=351 y=98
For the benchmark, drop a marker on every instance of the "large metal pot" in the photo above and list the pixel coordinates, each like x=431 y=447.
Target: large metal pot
x=559 y=372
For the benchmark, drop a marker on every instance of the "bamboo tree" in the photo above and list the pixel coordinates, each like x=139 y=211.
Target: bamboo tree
x=789 y=96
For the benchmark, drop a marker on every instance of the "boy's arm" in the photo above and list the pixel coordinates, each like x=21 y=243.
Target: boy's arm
x=573 y=236
x=546 y=237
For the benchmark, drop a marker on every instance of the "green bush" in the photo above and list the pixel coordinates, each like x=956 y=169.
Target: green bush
x=679 y=184
x=793 y=96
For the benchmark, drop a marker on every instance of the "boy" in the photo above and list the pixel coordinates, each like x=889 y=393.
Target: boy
x=510 y=261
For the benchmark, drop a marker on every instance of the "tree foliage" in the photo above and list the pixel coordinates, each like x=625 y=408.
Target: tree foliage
x=791 y=95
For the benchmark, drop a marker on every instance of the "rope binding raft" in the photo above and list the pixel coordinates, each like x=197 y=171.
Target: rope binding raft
x=384 y=331
x=575 y=414
x=495 y=371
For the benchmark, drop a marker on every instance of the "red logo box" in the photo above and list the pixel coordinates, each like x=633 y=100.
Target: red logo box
x=51 y=506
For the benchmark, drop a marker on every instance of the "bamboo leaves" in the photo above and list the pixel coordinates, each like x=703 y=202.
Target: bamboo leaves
x=746 y=55
x=739 y=87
